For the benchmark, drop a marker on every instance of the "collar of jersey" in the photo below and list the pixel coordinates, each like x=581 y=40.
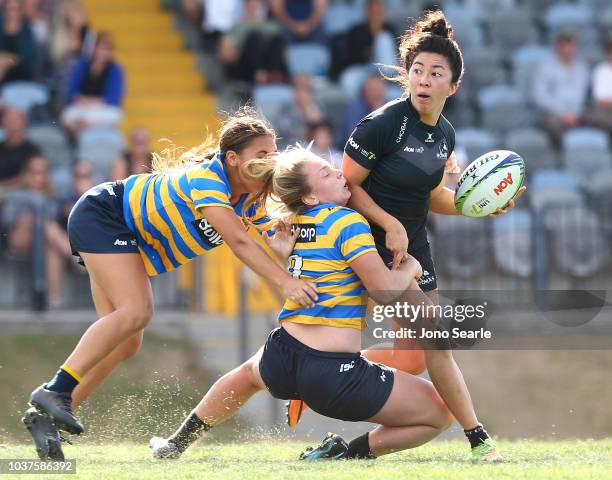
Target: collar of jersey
x=313 y=210
x=416 y=115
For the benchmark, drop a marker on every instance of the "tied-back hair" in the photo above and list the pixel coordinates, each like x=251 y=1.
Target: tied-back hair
x=285 y=183
x=235 y=133
x=432 y=33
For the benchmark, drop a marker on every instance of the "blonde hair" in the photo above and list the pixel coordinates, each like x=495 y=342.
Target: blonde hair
x=235 y=134
x=285 y=183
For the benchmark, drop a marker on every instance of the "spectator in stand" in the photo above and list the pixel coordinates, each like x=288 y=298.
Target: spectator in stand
x=295 y=116
x=601 y=115
x=372 y=41
x=70 y=38
x=373 y=96
x=38 y=13
x=560 y=87
x=30 y=197
x=16 y=44
x=322 y=137
x=82 y=180
x=95 y=89
x=137 y=158
x=253 y=51
x=214 y=17
x=16 y=149
x=301 y=19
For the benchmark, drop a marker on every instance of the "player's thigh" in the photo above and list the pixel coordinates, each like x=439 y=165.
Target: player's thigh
x=101 y=301
x=122 y=279
x=413 y=401
x=253 y=369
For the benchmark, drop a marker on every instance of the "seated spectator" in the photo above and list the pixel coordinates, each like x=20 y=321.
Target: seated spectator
x=137 y=158
x=70 y=38
x=296 y=115
x=16 y=44
x=82 y=180
x=21 y=204
x=601 y=115
x=372 y=41
x=253 y=50
x=16 y=149
x=214 y=17
x=95 y=89
x=322 y=137
x=373 y=96
x=561 y=86
x=38 y=13
x=301 y=19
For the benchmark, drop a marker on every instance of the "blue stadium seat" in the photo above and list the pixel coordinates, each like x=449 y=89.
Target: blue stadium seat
x=512 y=243
x=25 y=95
x=587 y=164
x=270 y=98
x=52 y=142
x=554 y=190
x=585 y=139
x=108 y=137
x=339 y=17
x=309 y=58
x=579 y=17
x=525 y=63
x=534 y=146
x=599 y=195
x=352 y=78
x=466 y=25
x=99 y=147
x=504 y=108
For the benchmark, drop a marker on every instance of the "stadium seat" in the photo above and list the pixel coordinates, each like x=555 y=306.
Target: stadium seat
x=554 y=189
x=505 y=36
x=475 y=141
x=525 y=62
x=579 y=17
x=504 y=108
x=512 y=243
x=585 y=139
x=309 y=58
x=466 y=26
x=599 y=196
x=483 y=69
x=340 y=17
x=581 y=258
x=25 y=95
x=270 y=98
x=104 y=136
x=52 y=142
x=465 y=245
x=333 y=100
x=534 y=146
x=587 y=164
x=352 y=78
x=99 y=147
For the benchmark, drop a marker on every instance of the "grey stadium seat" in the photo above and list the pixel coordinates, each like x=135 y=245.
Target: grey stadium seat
x=554 y=189
x=25 y=95
x=534 y=146
x=464 y=244
x=579 y=247
x=483 y=68
x=99 y=147
x=475 y=141
x=586 y=138
x=504 y=108
x=579 y=17
x=512 y=243
x=309 y=58
x=599 y=194
x=525 y=63
x=587 y=164
x=269 y=99
x=52 y=142
x=505 y=36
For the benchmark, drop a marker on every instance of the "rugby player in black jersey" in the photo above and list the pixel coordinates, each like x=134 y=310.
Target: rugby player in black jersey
x=395 y=161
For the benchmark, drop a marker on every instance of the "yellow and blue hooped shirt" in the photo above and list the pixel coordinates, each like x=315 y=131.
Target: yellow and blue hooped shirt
x=330 y=238
x=164 y=211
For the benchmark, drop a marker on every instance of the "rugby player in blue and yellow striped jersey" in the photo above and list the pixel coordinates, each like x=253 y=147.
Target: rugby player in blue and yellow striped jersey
x=148 y=224
x=315 y=354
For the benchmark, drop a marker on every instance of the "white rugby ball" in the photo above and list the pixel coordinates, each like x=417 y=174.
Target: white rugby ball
x=489 y=183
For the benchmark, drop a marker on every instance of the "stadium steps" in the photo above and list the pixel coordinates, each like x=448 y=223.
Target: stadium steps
x=165 y=92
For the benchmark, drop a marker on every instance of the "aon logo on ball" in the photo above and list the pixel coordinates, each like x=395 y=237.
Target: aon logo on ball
x=503 y=184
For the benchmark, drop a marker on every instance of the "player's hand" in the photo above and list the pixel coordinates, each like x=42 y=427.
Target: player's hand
x=301 y=292
x=510 y=205
x=411 y=264
x=282 y=241
x=451 y=165
x=396 y=241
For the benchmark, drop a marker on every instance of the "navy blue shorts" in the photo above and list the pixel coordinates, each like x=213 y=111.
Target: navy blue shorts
x=96 y=223
x=345 y=386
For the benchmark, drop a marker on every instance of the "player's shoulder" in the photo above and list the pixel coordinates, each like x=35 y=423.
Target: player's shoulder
x=391 y=112
x=340 y=216
x=447 y=128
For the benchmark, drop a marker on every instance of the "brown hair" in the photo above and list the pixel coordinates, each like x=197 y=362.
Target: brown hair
x=235 y=134
x=432 y=33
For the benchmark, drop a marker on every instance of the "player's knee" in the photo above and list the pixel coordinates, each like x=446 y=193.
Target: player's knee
x=138 y=316
x=131 y=346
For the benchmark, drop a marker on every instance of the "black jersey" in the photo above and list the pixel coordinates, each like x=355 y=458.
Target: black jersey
x=406 y=160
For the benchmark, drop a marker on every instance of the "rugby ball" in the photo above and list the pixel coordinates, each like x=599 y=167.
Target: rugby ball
x=489 y=183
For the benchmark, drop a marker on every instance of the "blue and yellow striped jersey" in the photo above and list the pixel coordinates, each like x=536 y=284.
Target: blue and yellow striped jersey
x=330 y=238
x=164 y=212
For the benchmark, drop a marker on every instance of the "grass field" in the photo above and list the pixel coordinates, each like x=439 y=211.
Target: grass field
x=265 y=460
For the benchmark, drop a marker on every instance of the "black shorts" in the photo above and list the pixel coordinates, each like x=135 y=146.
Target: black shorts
x=96 y=223
x=345 y=386
x=428 y=280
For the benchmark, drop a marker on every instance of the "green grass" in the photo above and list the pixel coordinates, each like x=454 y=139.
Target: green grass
x=263 y=459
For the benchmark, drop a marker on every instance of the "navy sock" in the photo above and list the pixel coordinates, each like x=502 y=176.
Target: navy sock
x=190 y=430
x=476 y=435
x=63 y=382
